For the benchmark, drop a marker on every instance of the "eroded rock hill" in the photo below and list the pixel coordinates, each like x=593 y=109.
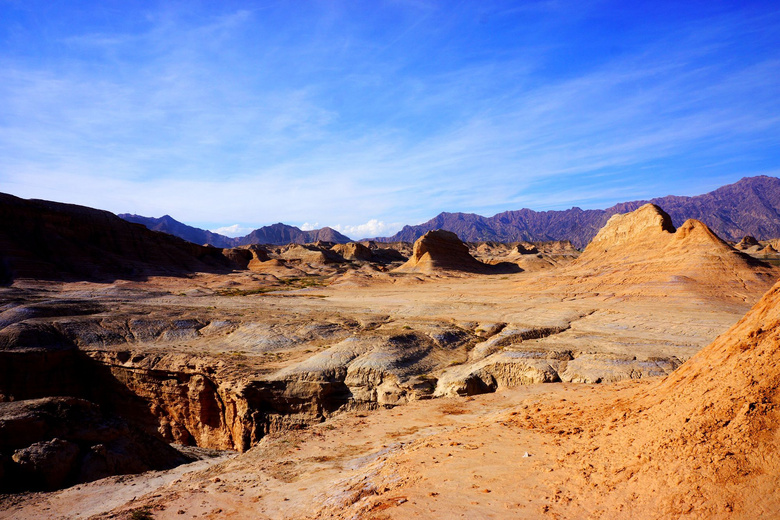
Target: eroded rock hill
x=441 y=251
x=642 y=252
x=50 y=241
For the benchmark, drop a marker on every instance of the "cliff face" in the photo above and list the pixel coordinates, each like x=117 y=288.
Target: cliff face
x=748 y=207
x=52 y=241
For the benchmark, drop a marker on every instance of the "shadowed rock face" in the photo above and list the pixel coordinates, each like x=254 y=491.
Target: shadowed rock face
x=58 y=441
x=441 y=251
x=52 y=241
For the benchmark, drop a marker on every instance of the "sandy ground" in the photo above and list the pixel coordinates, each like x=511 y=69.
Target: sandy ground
x=541 y=451
x=443 y=458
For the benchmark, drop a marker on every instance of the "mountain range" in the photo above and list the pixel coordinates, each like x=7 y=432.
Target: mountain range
x=750 y=206
x=276 y=234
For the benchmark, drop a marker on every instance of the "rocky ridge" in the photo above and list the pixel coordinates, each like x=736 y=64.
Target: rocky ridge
x=275 y=234
x=49 y=241
x=750 y=206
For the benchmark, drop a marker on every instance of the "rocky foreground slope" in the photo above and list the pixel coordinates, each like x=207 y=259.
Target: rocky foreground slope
x=701 y=443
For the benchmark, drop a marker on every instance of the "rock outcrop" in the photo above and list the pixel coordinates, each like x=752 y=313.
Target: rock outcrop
x=641 y=252
x=58 y=441
x=259 y=255
x=311 y=254
x=746 y=243
x=53 y=241
x=353 y=251
x=441 y=251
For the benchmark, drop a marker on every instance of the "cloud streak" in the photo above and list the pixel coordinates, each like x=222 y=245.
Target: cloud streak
x=361 y=123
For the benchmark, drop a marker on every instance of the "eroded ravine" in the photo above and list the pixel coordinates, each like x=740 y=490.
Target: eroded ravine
x=286 y=377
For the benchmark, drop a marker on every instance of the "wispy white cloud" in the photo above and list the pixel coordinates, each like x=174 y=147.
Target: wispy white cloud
x=372 y=228
x=228 y=118
x=236 y=230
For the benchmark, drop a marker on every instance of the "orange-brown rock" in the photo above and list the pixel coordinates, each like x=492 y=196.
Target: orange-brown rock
x=311 y=254
x=353 y=251
x=441 y=251
x=642 y=250
x=259 y=255
x=746 y=243
x=526 y=248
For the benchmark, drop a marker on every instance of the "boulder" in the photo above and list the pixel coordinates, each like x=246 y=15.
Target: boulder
x=60 y=441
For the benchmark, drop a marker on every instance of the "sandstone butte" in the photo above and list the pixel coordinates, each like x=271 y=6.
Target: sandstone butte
x=642 y=254
x=441 y=251
x=323 y=375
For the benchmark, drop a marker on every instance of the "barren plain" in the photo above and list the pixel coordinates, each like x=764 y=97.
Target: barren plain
x=350 y=382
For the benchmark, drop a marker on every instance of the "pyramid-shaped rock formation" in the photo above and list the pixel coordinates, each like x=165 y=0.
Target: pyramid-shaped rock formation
x=746 y=243
x=643 y=251
x=441 y=251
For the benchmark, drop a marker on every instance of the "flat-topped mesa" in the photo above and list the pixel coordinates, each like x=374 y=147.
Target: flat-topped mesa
x=441 y=251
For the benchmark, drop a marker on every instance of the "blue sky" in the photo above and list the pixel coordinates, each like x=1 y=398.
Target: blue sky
x=368 y=115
